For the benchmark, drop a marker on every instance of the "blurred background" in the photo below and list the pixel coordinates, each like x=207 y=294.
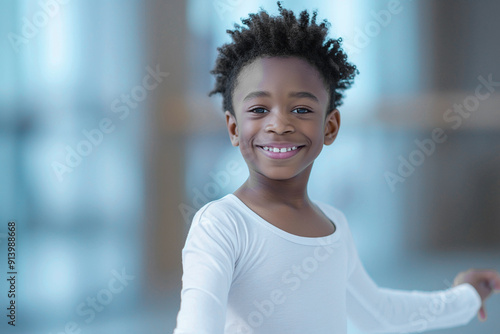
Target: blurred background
x=109 y=144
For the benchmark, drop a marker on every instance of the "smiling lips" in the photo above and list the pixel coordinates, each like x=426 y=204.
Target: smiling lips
x=280 y=151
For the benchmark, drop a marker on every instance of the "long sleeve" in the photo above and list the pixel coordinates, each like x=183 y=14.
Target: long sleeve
x=208 y=259
x=375 y=309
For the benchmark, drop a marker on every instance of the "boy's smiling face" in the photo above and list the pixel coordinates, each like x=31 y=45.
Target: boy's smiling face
x=281 y=102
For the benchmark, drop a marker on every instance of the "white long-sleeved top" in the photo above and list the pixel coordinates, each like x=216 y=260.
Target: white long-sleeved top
x=241 y=274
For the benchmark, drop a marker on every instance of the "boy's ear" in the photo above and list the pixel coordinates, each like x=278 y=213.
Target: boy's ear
x=332 y=125
x=232 y=128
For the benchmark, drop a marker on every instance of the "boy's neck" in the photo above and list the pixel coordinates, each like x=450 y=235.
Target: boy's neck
x=260 y=190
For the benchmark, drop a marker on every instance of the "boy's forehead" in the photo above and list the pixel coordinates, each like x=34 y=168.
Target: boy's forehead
x=279 y=75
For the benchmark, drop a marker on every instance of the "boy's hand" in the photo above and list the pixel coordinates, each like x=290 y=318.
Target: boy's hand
x=485 y=281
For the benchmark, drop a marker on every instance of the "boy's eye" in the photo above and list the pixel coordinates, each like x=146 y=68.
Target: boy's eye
x=258 y=110
x=299 y=110
x=303 y=110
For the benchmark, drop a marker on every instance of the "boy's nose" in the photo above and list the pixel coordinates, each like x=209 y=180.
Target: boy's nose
x=279 y=123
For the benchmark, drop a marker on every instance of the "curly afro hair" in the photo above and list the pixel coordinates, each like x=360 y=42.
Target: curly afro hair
x=283 y=36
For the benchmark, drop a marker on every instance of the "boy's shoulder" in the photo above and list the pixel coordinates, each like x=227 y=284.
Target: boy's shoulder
x=220 y=209
x=330 y=210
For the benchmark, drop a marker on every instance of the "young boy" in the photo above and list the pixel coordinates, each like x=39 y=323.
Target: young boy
x=267 y=258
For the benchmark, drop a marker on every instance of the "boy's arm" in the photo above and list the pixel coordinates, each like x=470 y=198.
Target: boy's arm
x=376 y=309
x=208 y=259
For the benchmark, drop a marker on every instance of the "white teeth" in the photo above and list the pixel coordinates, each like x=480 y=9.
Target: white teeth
x=284 y=149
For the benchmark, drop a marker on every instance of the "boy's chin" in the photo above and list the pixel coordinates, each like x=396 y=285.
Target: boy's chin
x=279 y=175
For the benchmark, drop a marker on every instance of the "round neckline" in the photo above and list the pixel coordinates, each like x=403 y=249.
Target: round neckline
x=315 y=241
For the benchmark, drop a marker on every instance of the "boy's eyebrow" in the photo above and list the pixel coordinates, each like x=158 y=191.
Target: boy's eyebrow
x=261 y=93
